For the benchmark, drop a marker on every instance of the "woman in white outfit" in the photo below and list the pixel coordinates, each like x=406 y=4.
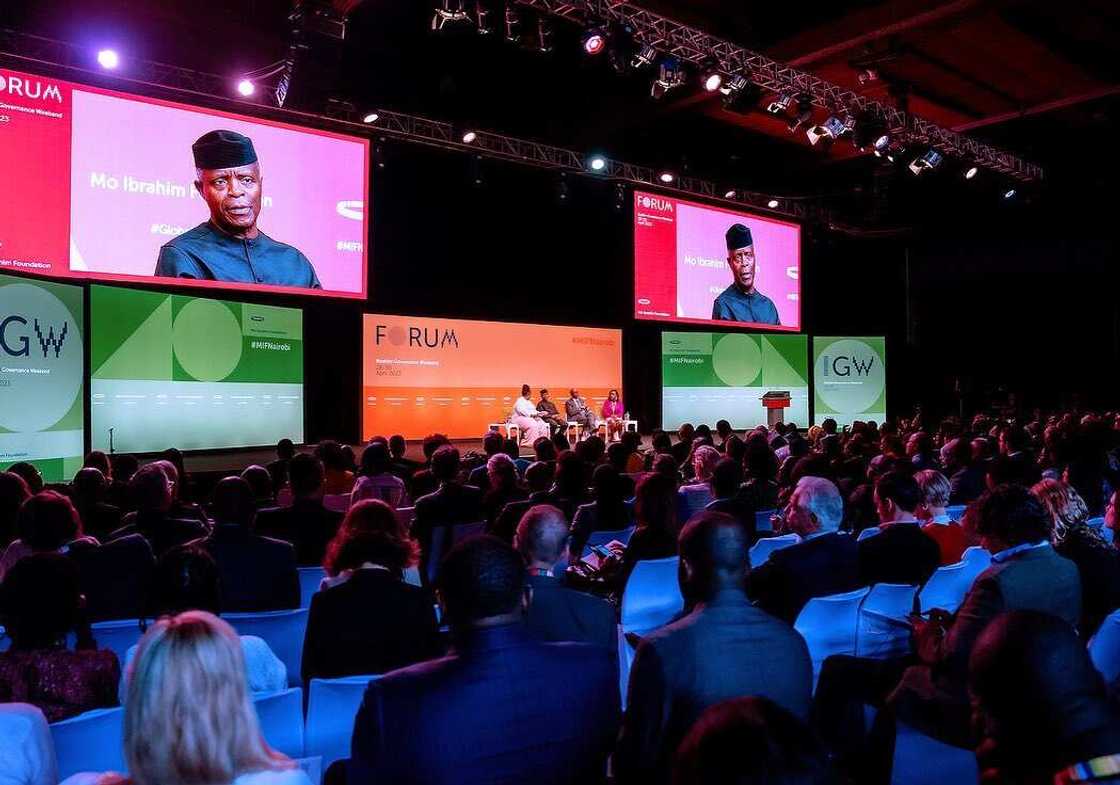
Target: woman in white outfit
x=527 y=418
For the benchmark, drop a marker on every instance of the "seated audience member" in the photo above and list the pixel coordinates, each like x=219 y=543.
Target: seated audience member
x=502 y=487
x=724 y=432
x=151 y=492
x=569 y=486
x=181 y=504
x=1014 y=445
x=1040 y=710
x=1098 y=563
x=451 y=503
x=450 y=720
x=306 y=524
x=751 y=741
x=376 y=480
x=492 y=444
x=726 y=480
x=257 y=573
x=635 y=461
x=369 y=620
x=96 y=459
x=618 y=458
x=27 y=756
x=538 y=478
x=557 y=613
x=825 y=562
x=278 y=469
x=115 y=577
x=760 y=490
x=260 y=483
x=403 y=466
x=47 y=523
x=607 y=513
x=423 y=481
x=337 y=475
x=656 y=529
x=544 y=449
x=88 y=492
x=186 y=579
x=725 y=648
x=928 y=691
x=936 y=524
x=30 y=475
x=685 y=434
x=901 y=552
x=695 y=496
x=124 y=466
x=13 y=493
x=40 y=603
x=666 y=466
x=1112 y=516
x=921 y=452
x=188 y=717
x=966 y=475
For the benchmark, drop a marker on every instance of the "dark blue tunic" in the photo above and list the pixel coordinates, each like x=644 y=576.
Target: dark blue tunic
x=734 y=306
x=208 y=254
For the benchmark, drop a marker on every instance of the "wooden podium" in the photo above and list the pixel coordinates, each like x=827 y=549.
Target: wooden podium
x=775 y=403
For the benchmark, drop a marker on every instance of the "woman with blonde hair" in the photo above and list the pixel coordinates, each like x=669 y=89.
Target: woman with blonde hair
x=1082 y=543
x=188 y=719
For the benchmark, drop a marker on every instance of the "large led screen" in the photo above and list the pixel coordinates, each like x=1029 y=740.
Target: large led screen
x=707 y=377
x=422 y=375
x=105 y=186
x=696 y=263
x=849 y=379
x=41 y=382
x=191 y=372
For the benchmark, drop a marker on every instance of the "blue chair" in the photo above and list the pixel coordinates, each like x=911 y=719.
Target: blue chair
x=444 y=537
x=332 y=705
x=651 y=599
x=26 y=744
x=762 y=549
x=117 y=636
x=309 y=580
x=762 y=520
x=884 y=630
x=280 y=715
x=1104 y=648
x=977 y=559
x=870 y=531
x=828 y=625
x=956 y=512
x=283 y=631
x=948 y=585
x=922 y=760
x=603 y=537
x=92 y=741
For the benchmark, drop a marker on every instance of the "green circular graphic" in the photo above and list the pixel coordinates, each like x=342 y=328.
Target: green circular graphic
x=737 y=360
x=40 y=385
x=850 y=376
x=207 y=340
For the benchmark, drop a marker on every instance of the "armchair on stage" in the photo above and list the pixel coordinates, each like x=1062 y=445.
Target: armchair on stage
x=775 y=403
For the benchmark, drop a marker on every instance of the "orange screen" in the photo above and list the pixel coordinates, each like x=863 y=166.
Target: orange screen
x=422 y=375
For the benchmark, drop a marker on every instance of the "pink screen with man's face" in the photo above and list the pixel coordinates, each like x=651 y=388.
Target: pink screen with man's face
x=680 y=261
x=111 y=179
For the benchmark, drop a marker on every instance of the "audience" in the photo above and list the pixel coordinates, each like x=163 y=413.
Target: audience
x=492 y=444
x=725 y=648
x=695 y=496
x=936 y=523
x=306 y=523
x=368 y=620
x=655 y=531
x=538 y=478
x=40 y=604
x=376 y=479
x=403 y=466
x=451 y=503
x=30 y=475
x=260 y=483
x=47 y=523
x=257 y=573
x=338 y=477
x=608 y=512
x=13 y=493
x=89 y=490
x=760 y=491
x=504 y=707
x=278 y=469
x=727 y=478
x=502 y=486
x=901 y=552
x=152 y=492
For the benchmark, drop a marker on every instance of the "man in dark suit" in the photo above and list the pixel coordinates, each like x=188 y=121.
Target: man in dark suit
x=151 y=492
x=306 y=524
x=115 y=577
x=1014 y=445
x=726 y=481
x=451 y=503
x=824 y=562
x=901 y=552
x=557 y=613
x=539 y=479
x=492 y=444
x=402 y=466
x=505 y=708
x=257 y=573
x=725 y=648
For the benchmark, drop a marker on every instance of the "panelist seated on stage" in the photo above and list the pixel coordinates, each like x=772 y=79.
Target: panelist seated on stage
x=578 y=412
x=741 y=301
x=526 y=417
x=613 y=413
x=549 y=413
x=230 y=246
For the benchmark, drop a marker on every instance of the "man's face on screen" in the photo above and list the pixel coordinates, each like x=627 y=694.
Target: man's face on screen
x=233 y=196
x=742 y=264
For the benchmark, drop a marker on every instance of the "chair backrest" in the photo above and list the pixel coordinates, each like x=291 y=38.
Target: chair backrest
x=923 y=760
x=444 y=537
x=309 y=580
x=92 y=741
x=947 y=586
x=828 y=625
x=117 y=636
x=603 y=537
x=26 y=752
x=337 y=502
x=280 y=715
x=283 y=632
x=405 y=516
x=870 y=531
x=1104 y=648
x=977 y=558
x=762 y=549
x=332 y=705
x=762 y=520
x=956 y=511
x=652 y=595
x=884 y=630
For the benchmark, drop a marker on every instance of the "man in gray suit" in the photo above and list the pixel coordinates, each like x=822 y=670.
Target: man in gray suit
x=725 y=648
x=576 y=410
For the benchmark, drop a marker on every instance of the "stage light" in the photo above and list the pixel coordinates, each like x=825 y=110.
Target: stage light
x=971 y=172
x=930 y=159
x=804 y=113
x=710 y=75
x=513 y=24
x=740 y=94
x=469 y=137
x=670 y=74
x=594 y=40
x=882 y=144
x=730 y=194
x=868 y=75
x=867 y=128
x=562 y=192
x=645 y=56
x=781 y=104
x=772 y=204
x=895 y=151
x=108 y=59
x=1009 y=194
x=449 y=12
x=620 y=47
x=830 y=129
x=544 y=34
x=666 y=177
x=619 y=196
x=482 y=18
x=246 y=88
x=596 y=163
x=372 y=117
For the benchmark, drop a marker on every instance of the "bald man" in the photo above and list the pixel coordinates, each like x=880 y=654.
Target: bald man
x=725 y=648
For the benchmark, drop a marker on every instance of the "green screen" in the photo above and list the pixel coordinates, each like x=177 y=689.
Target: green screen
x=707 y=377
x=191 y=372
x=41 y=381
x=849 y=379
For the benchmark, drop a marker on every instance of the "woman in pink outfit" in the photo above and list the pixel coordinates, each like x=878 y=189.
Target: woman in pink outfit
x=612 y=414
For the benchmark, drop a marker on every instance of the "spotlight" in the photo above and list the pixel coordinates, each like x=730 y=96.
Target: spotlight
x=246 y=88
x=830 y=129
x=739 y=94
x=596 y=163
x=1009 y=194
x=562 y=192
x=449 y=12
x=513 y=24
x=620 y=47
x=379 y=156
x=108 y=59
x=867 y=75
x=781 y=104
x=772 y=204
x=469 y=137
x=804 y=113
x=544 y=34
x=882 y=144
x=669 y=75
x=482 y=18
x=645 y=56
x=666 y=177
x=619 y=196
x=372 y=117
x=594 y=40
x=930 y=159
x=866 y=129
x=710 y=75
x=971 y=172
x=730 y=194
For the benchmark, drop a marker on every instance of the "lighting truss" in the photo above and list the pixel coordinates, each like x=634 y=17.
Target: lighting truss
x=696 y=46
